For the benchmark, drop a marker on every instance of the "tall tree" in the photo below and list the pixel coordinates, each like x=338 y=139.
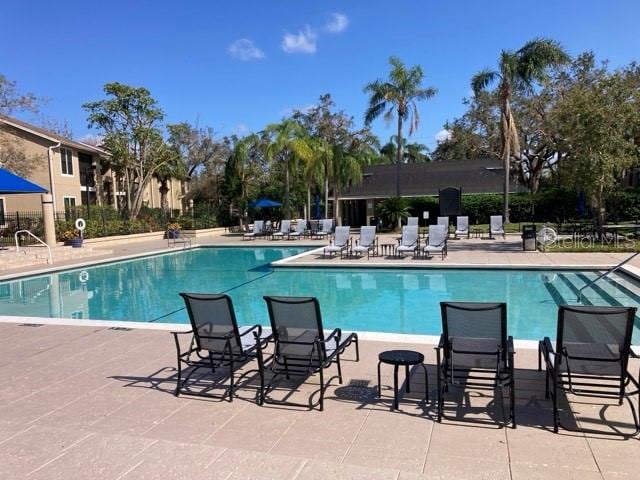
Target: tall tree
x=288 y=143
x=13 y=153
x=398 y=96
x=598 y=120
x=517 y=70
x=130 y=120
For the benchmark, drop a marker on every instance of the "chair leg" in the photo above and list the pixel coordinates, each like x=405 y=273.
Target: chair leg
x=178 y=380
x=555 y=407
x=339 y=369
x=395 y=386
x=321 y=390
x=354 y=339
x=408 y=378
x=231 y=379
x=379 y=388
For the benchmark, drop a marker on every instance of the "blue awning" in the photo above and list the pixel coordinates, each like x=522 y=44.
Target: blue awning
x=11 y=183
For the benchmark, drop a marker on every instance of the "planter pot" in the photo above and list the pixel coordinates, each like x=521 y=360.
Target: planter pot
x=173 y=234
x=76 y=242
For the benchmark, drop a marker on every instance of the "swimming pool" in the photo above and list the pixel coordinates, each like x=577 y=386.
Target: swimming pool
x=379 y=300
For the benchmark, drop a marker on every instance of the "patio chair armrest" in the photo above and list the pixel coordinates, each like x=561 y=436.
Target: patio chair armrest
x=547 y=348
x=337 y=333
x=440 y=345
x=510 y=348
x=255 y=327
x=182 y=333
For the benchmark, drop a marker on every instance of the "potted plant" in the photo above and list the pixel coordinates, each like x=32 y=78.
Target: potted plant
x=73 y=238
x=173 y=230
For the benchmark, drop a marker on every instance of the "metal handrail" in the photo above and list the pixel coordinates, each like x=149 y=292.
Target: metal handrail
x=49 y=260
x=608 y=272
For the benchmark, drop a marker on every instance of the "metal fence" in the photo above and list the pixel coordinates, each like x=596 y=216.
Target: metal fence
x=100 y=221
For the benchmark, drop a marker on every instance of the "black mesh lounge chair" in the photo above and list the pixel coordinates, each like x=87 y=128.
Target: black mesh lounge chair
x=475 y=351
x=301 y=347
x=217 y=341
x=591 y=356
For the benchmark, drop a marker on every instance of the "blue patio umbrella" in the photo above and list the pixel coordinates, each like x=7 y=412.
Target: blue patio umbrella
x=11 y=183
x=264 y=203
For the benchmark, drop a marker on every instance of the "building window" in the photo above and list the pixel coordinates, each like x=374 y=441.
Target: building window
x=69 y=202
x=2 y=212
x=67 y=161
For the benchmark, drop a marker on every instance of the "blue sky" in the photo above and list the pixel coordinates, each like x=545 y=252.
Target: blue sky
x=182 y=51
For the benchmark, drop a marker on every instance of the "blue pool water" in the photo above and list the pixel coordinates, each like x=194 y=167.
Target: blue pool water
x=381 y=300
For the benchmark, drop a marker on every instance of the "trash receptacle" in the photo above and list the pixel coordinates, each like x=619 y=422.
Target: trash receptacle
x=529 y=238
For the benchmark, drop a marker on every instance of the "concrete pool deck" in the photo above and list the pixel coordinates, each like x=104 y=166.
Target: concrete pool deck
x=88 y=402
x=96 y=402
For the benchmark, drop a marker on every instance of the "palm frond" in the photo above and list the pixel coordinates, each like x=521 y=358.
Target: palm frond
x=536 y=56
x=373 y=112
x=483 y=79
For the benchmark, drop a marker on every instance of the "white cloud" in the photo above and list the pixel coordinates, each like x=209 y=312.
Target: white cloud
x=241 y=130
x=302 y=42
x=337 y=23
x=443 y=135
x=244 y=49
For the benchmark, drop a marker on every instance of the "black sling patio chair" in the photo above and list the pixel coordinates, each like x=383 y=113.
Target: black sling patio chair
x=301 y=346
x=475 y=351
x=590 y=358
x=217 y=341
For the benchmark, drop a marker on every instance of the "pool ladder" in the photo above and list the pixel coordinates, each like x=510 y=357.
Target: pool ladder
x=601 y=276
x=49 y=259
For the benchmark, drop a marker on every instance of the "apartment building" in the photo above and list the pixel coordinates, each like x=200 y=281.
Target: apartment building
x=75 y=173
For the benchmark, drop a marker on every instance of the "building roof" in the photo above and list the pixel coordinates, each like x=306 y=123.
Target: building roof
x=48 y=135
x=418 y=179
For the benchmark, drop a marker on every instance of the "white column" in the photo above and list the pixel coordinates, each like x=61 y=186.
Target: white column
x=48 y=220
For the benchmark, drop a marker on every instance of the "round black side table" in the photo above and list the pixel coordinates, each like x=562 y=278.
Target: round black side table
x=398 y=358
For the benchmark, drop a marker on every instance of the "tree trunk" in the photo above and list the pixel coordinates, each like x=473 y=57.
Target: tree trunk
x=399 y=162
x=326 y=194
x=336 y=207
x=287 y=203
x=307 y=210
x=164 y=190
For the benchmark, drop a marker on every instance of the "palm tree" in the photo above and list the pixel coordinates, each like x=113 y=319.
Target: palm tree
x=288 y=143
x=416 y=153
x=517 y=71
x=398 y=96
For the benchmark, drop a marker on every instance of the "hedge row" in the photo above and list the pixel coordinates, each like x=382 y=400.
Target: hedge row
x=546 y=206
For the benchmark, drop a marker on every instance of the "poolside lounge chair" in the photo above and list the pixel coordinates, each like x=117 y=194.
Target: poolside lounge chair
x=409 y=242
x=177 y=237
x=444 y=221
x=325 y=228
x=367 y=243
x=496 y=226
x=412 y=221
x=340 y=243
x=475 y=351
x=285 y=228
x=462 y=227
x=301 y=346
x=301 y=228
x=217 y=341
x=591 y=356
x=437 y=241
x=258 y=230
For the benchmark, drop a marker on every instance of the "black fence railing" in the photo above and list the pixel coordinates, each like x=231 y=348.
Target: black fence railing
x=100 y=222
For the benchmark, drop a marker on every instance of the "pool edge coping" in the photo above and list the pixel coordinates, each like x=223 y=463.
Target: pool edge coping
x=169 y=327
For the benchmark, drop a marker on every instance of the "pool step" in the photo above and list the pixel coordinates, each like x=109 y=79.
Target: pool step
x=29 y=256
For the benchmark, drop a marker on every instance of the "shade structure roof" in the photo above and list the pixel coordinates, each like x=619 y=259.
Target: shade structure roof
x=11 y=183
x=265 y=203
